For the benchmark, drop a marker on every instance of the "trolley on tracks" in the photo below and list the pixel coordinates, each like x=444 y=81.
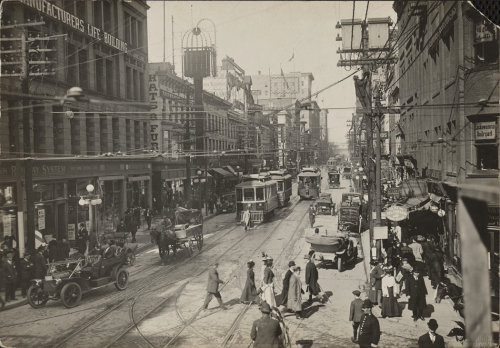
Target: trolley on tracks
x=187 y=231
x=309 y=181
x=284 y=181
x=260 y=198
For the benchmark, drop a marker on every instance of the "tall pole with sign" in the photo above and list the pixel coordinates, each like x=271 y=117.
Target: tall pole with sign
x=199 y=61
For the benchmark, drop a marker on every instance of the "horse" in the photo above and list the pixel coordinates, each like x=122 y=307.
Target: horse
x=455 y=294
x=164 y=239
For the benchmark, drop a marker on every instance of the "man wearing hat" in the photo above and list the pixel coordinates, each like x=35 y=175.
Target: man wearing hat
x=417 y=292
x=355 y=314
x=266 y=331
x=213 y=287
x=312 y=214
x=10 y=274
x=27 y=269
x=431 y=339
x=40 y=264
x=286 y=283
x=312 y=281
x=376 y=275
x=369 y=327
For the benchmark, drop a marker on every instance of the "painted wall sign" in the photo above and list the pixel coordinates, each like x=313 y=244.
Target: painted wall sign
x=67 y=18
x=396 y=213
x=485 y=130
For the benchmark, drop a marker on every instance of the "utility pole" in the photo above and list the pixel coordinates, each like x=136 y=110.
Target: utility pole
x=187 y=148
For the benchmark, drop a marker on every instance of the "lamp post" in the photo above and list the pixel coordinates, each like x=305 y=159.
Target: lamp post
x=238 y=173
x=90 y=199
x=200 y=180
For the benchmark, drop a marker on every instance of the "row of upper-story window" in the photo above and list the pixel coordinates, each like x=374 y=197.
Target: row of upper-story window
x=87 y=133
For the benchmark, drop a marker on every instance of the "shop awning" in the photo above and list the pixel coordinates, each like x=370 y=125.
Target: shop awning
x=416 y=202
x=223 y=172
x=230 y=169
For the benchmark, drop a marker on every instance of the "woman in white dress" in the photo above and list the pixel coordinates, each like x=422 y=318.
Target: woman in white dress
x=390 y=306
x=268 y=285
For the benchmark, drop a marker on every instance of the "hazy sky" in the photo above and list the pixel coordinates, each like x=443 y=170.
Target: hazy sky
x=261 y=35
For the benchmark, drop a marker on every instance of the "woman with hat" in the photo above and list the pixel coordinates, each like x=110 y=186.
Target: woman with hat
x=268 y=287
x=286 y=283
x=249 y=291
x=295 y=293
x=390 y=307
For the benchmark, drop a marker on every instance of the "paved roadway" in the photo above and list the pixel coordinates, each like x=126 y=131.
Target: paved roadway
x=162 y=306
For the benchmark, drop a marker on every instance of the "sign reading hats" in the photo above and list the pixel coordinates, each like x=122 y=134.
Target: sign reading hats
x=396 y=213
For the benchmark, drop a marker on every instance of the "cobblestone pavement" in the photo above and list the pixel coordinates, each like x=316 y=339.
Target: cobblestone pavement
x=167 y=313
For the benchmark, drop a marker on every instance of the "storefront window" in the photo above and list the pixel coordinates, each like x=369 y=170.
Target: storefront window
x=59 y=190
x=8 y=222
x=8 y=195
x=43 y=192
x=111 y=205
x=487 y=157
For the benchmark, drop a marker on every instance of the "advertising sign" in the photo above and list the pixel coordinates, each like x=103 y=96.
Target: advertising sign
x=7 y=225
x=485 y=130
x=484 y=31
x=71 y=232
x=394 y=192
x=349 y=214
x=41 y=219
x=396 y=213
x=380 y=232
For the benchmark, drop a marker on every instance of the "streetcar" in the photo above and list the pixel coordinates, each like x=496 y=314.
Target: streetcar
x=309 y=181
x=260 y=198
x=332 y=163
x=284 y=181
x=262 y=177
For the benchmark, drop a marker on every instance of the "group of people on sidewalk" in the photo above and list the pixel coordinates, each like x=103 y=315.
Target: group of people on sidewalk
x=366 y=327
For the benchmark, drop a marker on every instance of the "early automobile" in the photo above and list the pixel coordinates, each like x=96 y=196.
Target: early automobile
x=333 y=179
x=227 y=204
x=67 y=280
x=336 y=248
x=346 y=174
x=325 y=204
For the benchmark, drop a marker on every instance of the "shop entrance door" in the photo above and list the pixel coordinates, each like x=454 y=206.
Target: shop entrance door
x=61 y=226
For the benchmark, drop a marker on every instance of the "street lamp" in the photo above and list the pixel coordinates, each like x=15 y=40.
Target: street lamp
x=90 y=199
x=238 y=173
x=200 y=180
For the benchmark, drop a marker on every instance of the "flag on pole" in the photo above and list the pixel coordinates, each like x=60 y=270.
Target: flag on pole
x=293 y=55
x=283 y=75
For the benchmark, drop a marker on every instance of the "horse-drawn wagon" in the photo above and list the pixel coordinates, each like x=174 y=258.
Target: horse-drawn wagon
x=187 y=230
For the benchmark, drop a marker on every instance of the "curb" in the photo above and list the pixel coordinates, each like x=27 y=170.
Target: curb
x=14 y=305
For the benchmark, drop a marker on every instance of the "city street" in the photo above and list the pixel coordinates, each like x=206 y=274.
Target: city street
x=162 y=306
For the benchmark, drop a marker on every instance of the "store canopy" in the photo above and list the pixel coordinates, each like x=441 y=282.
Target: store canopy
x=230 y=169
x=224 y=173
x=416 y=202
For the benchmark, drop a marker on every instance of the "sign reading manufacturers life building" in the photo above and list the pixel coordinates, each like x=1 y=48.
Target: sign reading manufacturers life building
x=77 y=23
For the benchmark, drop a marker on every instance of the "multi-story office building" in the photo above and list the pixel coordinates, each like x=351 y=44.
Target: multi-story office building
x=99 y=46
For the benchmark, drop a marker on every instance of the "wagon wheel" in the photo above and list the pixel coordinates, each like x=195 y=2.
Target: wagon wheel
x=71 y=294
x=189 y=247
x=199 y=241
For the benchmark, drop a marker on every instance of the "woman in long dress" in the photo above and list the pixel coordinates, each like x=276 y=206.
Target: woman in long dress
x=249 y=291
x=295 y=293
x=390 y=307
x=268 y=287
x=376 y=275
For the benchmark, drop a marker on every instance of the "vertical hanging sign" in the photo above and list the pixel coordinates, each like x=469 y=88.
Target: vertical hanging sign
x=155 y=113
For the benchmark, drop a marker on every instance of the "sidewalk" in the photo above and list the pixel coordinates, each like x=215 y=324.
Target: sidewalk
x=394 y=328
x=143 y=242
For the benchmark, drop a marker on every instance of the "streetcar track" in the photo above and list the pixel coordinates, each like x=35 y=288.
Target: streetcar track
x=178 y=292
x=164 y=272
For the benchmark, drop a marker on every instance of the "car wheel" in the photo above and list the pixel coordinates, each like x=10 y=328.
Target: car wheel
x=36 y=297
x=122 y=279
x=71 y=294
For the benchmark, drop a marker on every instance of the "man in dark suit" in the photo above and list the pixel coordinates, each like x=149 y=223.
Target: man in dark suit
x=312 y=214
x=355 y=314
x=417 y=292
x=27 y=268
x=82 y=236
x=10 y=274
x=148 y=215
x=109 y=251
x=369 y=327
x=121 y=227
x=312 y=281
x=431 y=339
x=286 y=283
x=266 y=331
x=213 y=287
x=40 y=264
x=133 y=229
